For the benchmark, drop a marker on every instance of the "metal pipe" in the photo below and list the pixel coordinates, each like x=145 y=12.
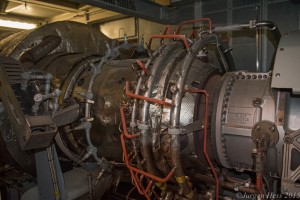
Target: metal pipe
x=145 y=98
x=27 y=76
x=205 y=140
x=181 y=37
x=253 y=24
x=257 y=50
x=182 y=76
x=144 y=111
x=272 y=27
x=137 y=171
x=123 y=121
x=194 y=21
x=70 y=86
x=232 y=186
x=134 y=108
x=151 y=176
x=174 y=128
x=142 y=66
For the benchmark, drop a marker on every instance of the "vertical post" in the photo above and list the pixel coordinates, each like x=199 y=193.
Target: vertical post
x=264 y=38
x=257 y=37
x=198 y=12
x=198 y=9
x=229 y=20
x=261 y=38
x=45 y=175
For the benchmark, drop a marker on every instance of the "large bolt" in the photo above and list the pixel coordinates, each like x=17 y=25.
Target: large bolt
x=143 y=87
x=178 y=73
x=107 y=104
x=257 y=128
x=38 y=98
x=173 y=88
x=272 y=128
x=257 y=102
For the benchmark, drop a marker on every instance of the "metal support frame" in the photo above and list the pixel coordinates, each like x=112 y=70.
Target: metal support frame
x=49 y=176
x=52 y=4
x=138 y=8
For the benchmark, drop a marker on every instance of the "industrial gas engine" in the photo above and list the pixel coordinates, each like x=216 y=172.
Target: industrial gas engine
x=87 y=118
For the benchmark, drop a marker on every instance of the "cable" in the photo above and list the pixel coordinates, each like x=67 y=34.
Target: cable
x=132 y=189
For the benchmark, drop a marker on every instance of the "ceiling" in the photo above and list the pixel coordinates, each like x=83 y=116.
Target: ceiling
x=47 y=11
x=36 y=10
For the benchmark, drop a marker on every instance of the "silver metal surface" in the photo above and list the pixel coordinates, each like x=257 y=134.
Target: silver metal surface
x=292 y=113
x=245 y=99
x=286 y=67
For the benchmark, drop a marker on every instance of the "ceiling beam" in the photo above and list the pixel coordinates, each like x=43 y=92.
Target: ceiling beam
x=51 y=4
x=91 y=15
x=3 y=5
x=14 y=8
x=138 y=8
x=22 y=18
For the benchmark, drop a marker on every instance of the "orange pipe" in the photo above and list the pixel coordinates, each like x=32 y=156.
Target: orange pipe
x=149 y=186
x=137 y=183
x=139 y=186
x=205 y=139
x=158 y=179
x=193 y=34
x=193 y=21
x=168 y=31
x=259 y=184
x=145 y=98
x=127 y=135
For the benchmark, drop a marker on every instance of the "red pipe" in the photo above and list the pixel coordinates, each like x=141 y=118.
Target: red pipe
x=139 y=186
x=181 y=37
x=205 y=139
x=259 y=184
x=134 y=176
x=193 y=21
x=193 y=34
x=142 y=66
x=127 y=135
x=158 y=179
x=168 y=31
x=145 y=98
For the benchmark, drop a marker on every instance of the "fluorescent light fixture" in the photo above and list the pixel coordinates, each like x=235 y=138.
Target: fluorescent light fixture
x=15 y=24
